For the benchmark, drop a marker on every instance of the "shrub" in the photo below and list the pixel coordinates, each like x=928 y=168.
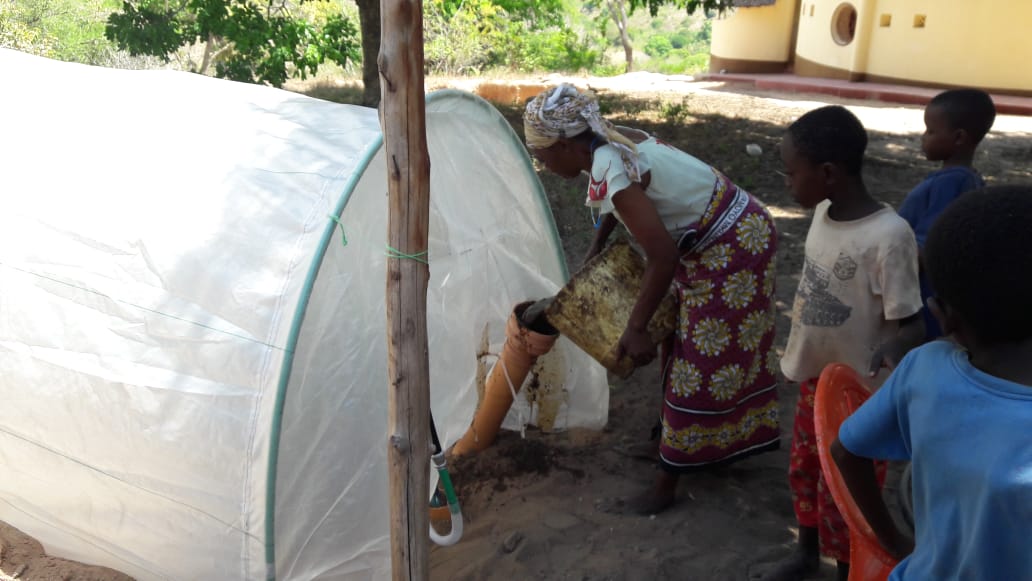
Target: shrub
x=658 y=46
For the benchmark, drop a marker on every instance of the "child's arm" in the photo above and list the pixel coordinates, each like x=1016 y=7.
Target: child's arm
x=911 y=333
x=858 y=474
x=603 y=229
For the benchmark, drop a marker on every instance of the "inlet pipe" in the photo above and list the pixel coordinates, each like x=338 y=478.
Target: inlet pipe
x=454 y=510
x=521 y=349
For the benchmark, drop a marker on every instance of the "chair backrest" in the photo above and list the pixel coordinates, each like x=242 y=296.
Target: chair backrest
x=840 y=391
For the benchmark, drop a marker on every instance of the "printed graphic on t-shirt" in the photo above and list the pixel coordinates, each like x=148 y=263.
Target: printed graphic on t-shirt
x=597 y=189
x=820 y=308
x=845 y=267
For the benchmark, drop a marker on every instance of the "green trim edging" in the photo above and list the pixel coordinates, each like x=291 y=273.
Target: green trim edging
x=288 y=358
x=313 y=272
x=546 y=209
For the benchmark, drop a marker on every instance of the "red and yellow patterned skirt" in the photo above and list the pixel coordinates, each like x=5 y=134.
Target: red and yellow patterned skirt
x=720 y=373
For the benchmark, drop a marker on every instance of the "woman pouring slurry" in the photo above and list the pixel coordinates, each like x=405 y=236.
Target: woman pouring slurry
x=716 y=244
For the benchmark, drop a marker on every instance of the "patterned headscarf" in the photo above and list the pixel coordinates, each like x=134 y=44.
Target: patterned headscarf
x=566 y=112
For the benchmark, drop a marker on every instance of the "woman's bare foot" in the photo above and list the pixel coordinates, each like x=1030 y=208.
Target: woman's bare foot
x=658 y=498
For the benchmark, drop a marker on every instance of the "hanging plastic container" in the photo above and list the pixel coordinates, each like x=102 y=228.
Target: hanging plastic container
x=593 y=308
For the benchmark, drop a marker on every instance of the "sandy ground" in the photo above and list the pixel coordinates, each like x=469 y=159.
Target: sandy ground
x=532 y=506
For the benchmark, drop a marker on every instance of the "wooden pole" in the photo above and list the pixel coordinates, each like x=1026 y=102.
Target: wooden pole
x=403 y=118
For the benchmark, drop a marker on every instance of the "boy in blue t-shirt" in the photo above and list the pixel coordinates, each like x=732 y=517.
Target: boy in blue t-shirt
x=961 y=412
x=956 y=121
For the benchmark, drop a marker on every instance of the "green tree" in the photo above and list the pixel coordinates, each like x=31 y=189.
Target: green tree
x=369 y=24
x=244 y=40
x=658 y=46
x=689 y=5
x=68 y=30
x=460 y=36
x=17 y=31
x=618 y=12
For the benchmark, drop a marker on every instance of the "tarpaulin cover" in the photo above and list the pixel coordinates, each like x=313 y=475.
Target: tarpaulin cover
x=192 y=318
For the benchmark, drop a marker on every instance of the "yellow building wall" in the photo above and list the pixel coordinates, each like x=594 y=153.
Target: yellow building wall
x=816 y=50
x=751 y=39
x=986 y=44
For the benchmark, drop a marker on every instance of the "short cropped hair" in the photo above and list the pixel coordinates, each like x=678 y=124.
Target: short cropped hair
x=969 y=109
x=831 y=134
x=979 y=264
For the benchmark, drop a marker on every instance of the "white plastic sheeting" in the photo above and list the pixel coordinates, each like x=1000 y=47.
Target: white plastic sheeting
x=193 y=352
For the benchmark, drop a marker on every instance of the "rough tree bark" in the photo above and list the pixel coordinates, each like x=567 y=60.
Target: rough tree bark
x=369 y=25
x=618 y=11
x=408 y=272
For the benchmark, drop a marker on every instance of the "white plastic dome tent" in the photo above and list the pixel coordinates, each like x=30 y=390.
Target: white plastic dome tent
x=192 y=358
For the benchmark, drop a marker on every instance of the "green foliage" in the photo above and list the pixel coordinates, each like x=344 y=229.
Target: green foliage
x=658 y=46
x=470 y=36
x=70 y=30
x=551 y=50
x=706 y=32
x=537 y=14
x=682 y=62
x=675 y=112
x=17 y=33
x=689 y=6
x=245 y=40
x=272 y=40
x=607 y=70
x=458 y=36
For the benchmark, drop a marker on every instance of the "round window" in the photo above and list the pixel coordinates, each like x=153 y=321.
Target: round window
x=843 y=24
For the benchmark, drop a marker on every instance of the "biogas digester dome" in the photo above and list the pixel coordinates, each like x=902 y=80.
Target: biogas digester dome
x=192 y=325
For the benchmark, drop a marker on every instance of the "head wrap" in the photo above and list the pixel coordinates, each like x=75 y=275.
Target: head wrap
x=564 y=112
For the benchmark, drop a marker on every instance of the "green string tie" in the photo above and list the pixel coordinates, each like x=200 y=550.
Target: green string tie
x=395 y=253
x=391 y=251
x=343 y=236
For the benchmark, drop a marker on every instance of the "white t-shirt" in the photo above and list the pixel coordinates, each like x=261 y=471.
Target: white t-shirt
x=859 y=279
x=680 y=185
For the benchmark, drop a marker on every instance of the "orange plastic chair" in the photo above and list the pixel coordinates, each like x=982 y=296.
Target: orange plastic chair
x=840 y=391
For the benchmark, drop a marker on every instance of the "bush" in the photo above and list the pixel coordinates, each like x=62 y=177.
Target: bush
x=684 y=63
x=679 y=40
x=608 y=70
x=658 y=46
x=68 y=30
x=556 y=49
x=458 y=41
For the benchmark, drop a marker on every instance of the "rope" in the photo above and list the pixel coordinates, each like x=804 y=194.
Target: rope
x=395 y=253
x=512 y=390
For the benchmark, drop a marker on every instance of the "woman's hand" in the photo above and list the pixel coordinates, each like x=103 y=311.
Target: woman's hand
x=637 y=345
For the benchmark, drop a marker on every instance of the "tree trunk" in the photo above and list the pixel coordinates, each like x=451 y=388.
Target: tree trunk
x=369 y=27
x=408 y=273
x=618 y=11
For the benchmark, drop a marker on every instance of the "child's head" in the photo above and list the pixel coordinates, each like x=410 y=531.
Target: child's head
x=562 y=127
x=822 y=151
x=955 y=123
x=980 y=268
